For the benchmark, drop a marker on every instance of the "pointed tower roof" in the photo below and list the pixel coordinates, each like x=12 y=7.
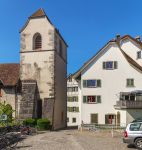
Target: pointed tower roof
x=39 y=13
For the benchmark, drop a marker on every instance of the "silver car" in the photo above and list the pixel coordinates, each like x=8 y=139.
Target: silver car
x=133 y=134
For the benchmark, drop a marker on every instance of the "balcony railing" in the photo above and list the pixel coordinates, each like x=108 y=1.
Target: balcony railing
x=123 y=104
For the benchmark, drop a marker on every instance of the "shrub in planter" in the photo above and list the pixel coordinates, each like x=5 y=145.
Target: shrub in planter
x=29 y=122
x=43 y=124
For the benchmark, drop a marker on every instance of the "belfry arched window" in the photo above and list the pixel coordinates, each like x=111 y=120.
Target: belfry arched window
x=37 y=41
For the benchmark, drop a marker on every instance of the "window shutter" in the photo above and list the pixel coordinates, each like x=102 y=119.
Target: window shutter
x=77 y=109
x=84 y=83
x=71 y=109
x=99 y=99
x=98 y=83
x=70 y=99
x=84 y=99
x=76 y=98
x=115 y=65
x=104 y=65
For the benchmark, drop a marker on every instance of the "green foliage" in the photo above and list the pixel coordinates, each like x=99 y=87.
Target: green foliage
x=43 y=124
x=6 y=109
x=29 y=122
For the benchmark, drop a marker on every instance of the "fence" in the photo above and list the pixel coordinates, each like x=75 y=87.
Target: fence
x=102 y=127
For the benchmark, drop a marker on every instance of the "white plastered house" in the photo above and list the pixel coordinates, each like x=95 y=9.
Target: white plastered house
x=110 y=83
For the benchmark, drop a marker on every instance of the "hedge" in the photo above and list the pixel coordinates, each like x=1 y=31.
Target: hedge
x=29 y=122
x=43 y=124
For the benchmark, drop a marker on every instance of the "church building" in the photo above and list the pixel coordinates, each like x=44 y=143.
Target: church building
x=41 y=74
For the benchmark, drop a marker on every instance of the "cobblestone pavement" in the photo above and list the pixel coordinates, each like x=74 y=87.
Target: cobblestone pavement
x=74 y=140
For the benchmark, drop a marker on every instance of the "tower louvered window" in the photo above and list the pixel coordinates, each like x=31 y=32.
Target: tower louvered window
x=37 y=41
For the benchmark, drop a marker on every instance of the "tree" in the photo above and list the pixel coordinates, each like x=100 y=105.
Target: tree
x=6 y=109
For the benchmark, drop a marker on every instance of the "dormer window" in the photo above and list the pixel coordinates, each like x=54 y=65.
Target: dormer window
x=109 y=65
x=37 y=41
x=139 y=55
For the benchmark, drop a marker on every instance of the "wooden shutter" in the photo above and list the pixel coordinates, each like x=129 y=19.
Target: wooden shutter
x=84 y=99
x=76 y=98
x=98 y=83
x=84 y=83
x=115 y=65
x=104 y=65
x=99 y=99
x=77 y=109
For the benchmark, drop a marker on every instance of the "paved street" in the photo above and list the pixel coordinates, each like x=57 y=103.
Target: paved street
x=74 y=140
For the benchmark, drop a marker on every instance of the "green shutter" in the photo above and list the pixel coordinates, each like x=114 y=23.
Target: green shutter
x=84 y=99
x=77 y=109
x=104 y=65
x=84 y=83
x=115 y=65
x=98 y=83
x=99 y=99
x=76 y=98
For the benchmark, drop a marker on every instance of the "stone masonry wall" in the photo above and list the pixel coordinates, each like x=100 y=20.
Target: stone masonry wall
x=28 y=101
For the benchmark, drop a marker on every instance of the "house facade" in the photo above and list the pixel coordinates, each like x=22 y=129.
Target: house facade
x=42 y=71
x=110 y=83
x=73 y=110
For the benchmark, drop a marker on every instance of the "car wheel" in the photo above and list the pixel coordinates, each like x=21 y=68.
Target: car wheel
x=138 y=143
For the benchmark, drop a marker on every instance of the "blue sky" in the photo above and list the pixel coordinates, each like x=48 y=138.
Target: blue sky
x=86 y=25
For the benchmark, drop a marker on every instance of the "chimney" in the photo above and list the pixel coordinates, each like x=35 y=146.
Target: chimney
x=118 y=37
x=138 y=38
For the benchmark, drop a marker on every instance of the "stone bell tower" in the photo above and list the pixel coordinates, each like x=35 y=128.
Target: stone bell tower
x=43 y=64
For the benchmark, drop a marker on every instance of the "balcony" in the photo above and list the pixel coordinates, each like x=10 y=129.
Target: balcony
x=129 y=100
x=125 y=104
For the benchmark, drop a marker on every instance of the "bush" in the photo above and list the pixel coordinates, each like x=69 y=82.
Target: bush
x=29 y=122
x=43 y=124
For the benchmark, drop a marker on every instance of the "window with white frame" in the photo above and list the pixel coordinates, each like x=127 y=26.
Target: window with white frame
x=90 y=99
x=139 y=55
x=110 y=65
x=91 y=83
x=72 y=89
x=130 y=83
x=72 y=98
x=73 y=120
x=73 y=109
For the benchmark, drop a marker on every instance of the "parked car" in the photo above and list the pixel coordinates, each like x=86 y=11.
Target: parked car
x=137 y=120
x=133 y=134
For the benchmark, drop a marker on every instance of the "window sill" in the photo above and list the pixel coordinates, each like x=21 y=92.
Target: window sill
x=130 y=86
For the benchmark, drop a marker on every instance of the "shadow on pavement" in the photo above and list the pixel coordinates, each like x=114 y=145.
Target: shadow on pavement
x=18 y=147
x=131 y=146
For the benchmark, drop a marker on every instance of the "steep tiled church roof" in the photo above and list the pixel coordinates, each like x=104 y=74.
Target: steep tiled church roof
x=9 y=74
x=39 y=13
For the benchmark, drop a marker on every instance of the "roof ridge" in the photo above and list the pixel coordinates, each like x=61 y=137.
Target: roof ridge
x=39 y=13
x=78 y=72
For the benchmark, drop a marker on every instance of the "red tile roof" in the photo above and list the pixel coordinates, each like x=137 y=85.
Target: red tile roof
x=9 y=74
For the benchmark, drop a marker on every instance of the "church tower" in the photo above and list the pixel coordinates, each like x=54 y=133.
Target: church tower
x=43 y=68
